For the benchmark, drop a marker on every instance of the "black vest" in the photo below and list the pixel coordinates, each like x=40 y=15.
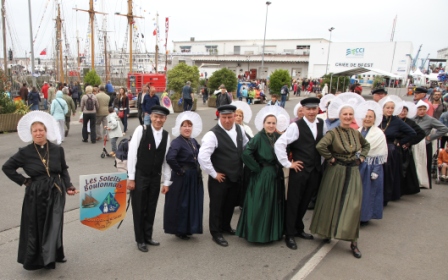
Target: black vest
x=150 y=158
x=227 y=158
x=304 y=148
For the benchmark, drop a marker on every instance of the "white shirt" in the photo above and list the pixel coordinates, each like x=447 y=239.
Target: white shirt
x=209 y=145
x=133 y=148
x=291 y=135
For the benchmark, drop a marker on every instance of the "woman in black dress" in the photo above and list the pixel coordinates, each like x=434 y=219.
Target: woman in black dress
x=184 y=198
x=40 y=242
x=121 y=103
x=409 y=178
x=398 y=133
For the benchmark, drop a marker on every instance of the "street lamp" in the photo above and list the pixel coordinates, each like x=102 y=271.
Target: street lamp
x=264 y=38
x=248 y=67
x=329 y=44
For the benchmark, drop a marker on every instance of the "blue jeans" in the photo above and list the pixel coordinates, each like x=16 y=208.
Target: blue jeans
x=188 y=104
x=44 y=102
x=147 y=120
x=35 y=107
x=283 y=100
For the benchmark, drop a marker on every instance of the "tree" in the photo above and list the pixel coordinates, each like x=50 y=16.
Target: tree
x=180 y=74
x=278 y=79
x=223 y=76
x=377 y=81
x=92 y=78
x=342 y=85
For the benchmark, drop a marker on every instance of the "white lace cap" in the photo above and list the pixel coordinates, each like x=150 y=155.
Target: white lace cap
x=24 y=126
x=277 y=111
x=370 y=105
x=344 y=99
x=194 y=118
x=296 y=108
x=412 y=109
x=324 y=101
x=396 y=100
x=421 y=103
x=243 y=106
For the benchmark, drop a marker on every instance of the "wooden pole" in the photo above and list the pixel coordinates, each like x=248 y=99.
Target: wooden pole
x=5 y=58
x=59 y=44
x=92 y=13
x=130 y=17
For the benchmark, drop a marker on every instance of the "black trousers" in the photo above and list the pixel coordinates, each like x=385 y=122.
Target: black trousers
x=144 y=203
x=301 y=187
x=85 y=119
x=67 y=123
x=429 y=162
x=223 y=198
x=140 y=116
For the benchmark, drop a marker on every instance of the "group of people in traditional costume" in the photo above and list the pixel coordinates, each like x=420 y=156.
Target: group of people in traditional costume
x=353 y=159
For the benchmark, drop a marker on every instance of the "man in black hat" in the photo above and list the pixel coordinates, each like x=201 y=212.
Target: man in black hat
x=306 y=165
x=146 y=164
x=379 y=94
x=420 y=94
x=220 y=157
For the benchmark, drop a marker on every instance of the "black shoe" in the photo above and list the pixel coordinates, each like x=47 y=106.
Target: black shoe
x=142 y=247
x=364 y=223
x=85 y=141
x=311 y=205
x=304 y=235
x=66 y=133
x=327 y=240
x=291 y=243
x=220 y=241
x=93 y=142
x=152 y=242
x=356 y=253
x=230 y=231
x=183 y=236
x=63 y=260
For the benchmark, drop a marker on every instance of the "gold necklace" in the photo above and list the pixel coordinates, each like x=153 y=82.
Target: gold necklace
x=387 y=125
x=190 y=144
x=45 y=162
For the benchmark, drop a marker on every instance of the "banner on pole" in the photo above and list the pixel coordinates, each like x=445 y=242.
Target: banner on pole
x=102 y=199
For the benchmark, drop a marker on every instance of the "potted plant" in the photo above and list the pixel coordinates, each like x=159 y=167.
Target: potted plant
x=180 y=108
x=10 y=113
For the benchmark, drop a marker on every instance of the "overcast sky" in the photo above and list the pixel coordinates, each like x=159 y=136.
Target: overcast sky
x=421 y=22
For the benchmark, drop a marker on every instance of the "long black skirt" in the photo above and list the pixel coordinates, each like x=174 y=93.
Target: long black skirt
x=392 y=174
x=40 y=243
x=409 y=178
x=184 y=203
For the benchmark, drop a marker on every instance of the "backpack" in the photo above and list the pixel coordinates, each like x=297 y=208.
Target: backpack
x=122 y=149
x=89 y=103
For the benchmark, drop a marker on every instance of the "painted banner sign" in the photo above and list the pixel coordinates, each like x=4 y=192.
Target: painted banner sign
x=102 y=199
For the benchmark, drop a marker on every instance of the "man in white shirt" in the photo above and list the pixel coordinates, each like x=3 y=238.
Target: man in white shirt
x=220 y=157
x=306 y=166
x=146 y=165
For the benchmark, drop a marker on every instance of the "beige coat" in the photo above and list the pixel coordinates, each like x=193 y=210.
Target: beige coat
x=103 y=101
x=51 y=94
x=83 y=104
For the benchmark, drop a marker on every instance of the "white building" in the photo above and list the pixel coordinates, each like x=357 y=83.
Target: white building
x=301 y=57
x=244 y=56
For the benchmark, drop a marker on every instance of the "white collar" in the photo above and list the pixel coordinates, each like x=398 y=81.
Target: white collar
x=316 y=121
x=154 y=131
x=233 y=126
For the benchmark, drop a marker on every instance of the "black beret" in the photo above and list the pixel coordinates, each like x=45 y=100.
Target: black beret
x=310 y=102
x=420 y=90
x=227 y=109
x=379 y=90
x=160 y=110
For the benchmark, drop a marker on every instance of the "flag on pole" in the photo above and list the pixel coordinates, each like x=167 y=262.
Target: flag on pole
x=43 y=52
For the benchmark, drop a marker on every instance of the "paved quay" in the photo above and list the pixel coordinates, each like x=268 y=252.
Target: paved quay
x=408 y=243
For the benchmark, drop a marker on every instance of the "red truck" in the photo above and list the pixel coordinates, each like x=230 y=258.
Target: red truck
x=136 y=81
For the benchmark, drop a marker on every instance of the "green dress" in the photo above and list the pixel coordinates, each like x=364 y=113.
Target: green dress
x=262 y=217
x=338 y=206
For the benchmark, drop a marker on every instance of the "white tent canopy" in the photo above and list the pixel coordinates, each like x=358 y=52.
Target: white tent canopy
x=360 y=70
